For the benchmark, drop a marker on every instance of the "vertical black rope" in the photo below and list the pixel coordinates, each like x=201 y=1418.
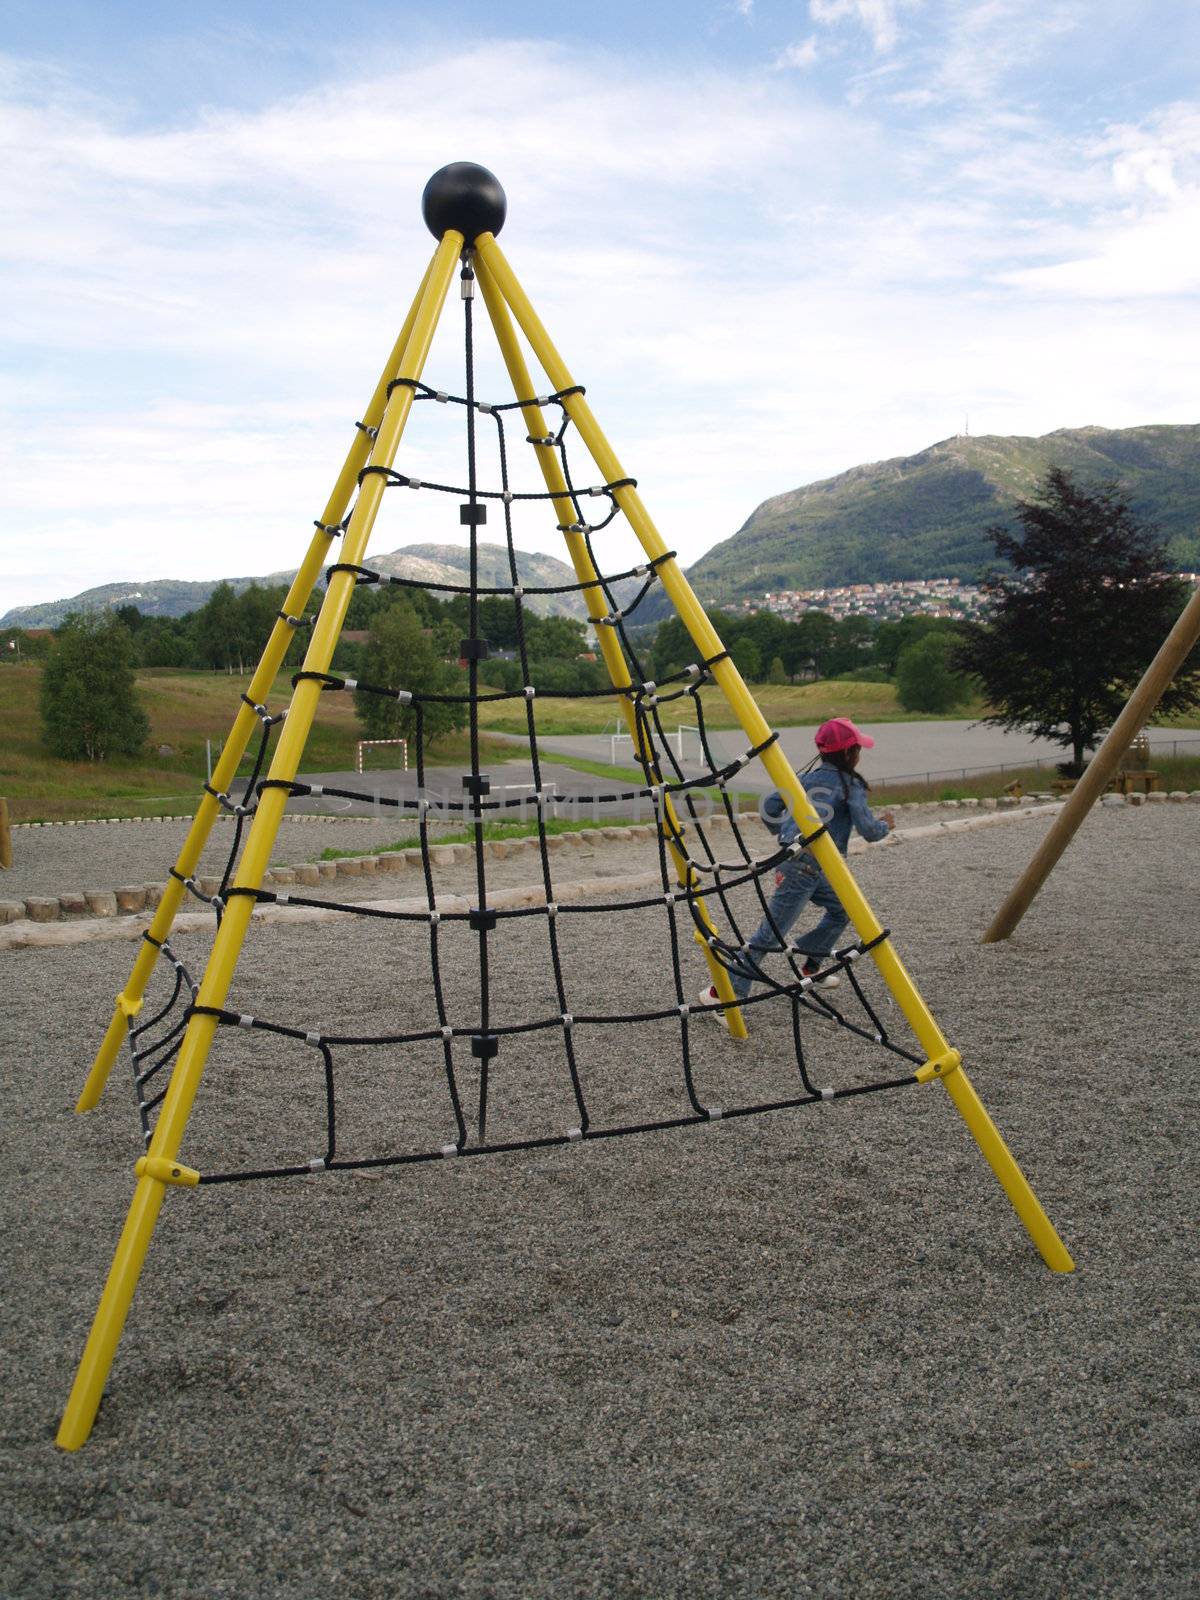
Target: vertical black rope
x=560 y=987
x=666 y=876
x=473 y=501
x=431 y=900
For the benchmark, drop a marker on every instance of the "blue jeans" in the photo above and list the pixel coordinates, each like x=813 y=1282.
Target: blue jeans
x=797 y=883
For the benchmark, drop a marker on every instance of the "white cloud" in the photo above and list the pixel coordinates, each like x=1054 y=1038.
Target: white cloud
x=757 y=288
x=1143 y=240
x=880 y=18
x=799 y=55
x=988 y=40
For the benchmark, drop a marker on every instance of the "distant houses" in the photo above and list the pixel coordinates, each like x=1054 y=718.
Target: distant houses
x=931 y=597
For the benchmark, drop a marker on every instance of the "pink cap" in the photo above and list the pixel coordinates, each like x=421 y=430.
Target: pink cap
x=839 y=733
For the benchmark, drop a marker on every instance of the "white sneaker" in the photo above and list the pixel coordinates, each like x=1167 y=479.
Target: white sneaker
x=810 y=969
x=709 y=998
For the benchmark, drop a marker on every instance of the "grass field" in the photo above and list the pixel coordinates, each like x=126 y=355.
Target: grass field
x=188 y=708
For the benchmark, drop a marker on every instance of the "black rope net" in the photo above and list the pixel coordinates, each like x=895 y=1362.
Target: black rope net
x=511 y=1027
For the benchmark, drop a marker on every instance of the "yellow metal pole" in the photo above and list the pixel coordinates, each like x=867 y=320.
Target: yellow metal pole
x=189 y=1068
x=1171 y=655
x=756 y=728
x=129 y=1001
x=610 y=649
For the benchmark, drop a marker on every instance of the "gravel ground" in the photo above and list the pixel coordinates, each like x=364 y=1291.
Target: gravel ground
x=807 y=1353
x=104 y=855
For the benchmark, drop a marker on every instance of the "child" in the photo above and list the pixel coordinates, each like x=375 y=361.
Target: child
x=839 y=796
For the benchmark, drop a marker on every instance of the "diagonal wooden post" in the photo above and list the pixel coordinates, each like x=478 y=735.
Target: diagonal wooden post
x=1141 y=703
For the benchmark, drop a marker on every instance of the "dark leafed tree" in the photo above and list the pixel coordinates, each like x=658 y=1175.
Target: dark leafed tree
x=1078 y=620
x=89 y=707
x=400 y=654
x=925 y=675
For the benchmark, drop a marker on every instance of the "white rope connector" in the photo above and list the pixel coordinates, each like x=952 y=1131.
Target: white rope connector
x=441 y=397
x=350 y=683
x=317 y=1164
x=693 y=670
x=684 y=1010
x=551 y=909
x=715 y=1113
x=245 y=1021
x=404 y=696
x=314 y=1039
x=568 y=1021
x=517 y=591
x=282 y=898
x=507 y=496
x=574 y=1134
x=316 y=788
x=414 y=483
x=530 y=691
x=447 y=1034
x=434 y=918
x=449 y=1150
x=827 y=1094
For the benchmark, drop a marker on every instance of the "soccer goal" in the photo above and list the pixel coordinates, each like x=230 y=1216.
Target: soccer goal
x=377 y=744
x=589 y=994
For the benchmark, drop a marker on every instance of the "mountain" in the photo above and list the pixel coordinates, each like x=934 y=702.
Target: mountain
x=429 y=563
x=925 y=516
x=921 y=516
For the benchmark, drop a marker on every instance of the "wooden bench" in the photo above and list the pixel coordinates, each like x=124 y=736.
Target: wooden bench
x=1123 y=782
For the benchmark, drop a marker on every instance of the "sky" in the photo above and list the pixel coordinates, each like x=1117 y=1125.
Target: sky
x=775 y=239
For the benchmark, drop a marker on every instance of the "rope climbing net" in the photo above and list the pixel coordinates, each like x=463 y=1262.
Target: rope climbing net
x=438 y=1015
x=693 y=870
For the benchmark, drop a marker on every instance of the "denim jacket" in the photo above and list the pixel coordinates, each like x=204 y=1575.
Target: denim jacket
x=838 y=810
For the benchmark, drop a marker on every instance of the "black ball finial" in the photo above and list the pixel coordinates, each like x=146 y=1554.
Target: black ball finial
x=466 y=197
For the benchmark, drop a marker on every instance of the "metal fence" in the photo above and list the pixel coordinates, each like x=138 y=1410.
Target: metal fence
x=1163 y=750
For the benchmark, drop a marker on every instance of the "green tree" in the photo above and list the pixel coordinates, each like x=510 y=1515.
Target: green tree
x=1078 y=620
x=89 y=705
x=776 y=672
x=400 y=655
x=747 y=658
x=926 y=678
x=810 y=645
x=893 y=638
x=217 y=628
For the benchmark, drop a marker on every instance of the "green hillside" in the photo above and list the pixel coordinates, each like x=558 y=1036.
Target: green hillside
x=925 y=515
